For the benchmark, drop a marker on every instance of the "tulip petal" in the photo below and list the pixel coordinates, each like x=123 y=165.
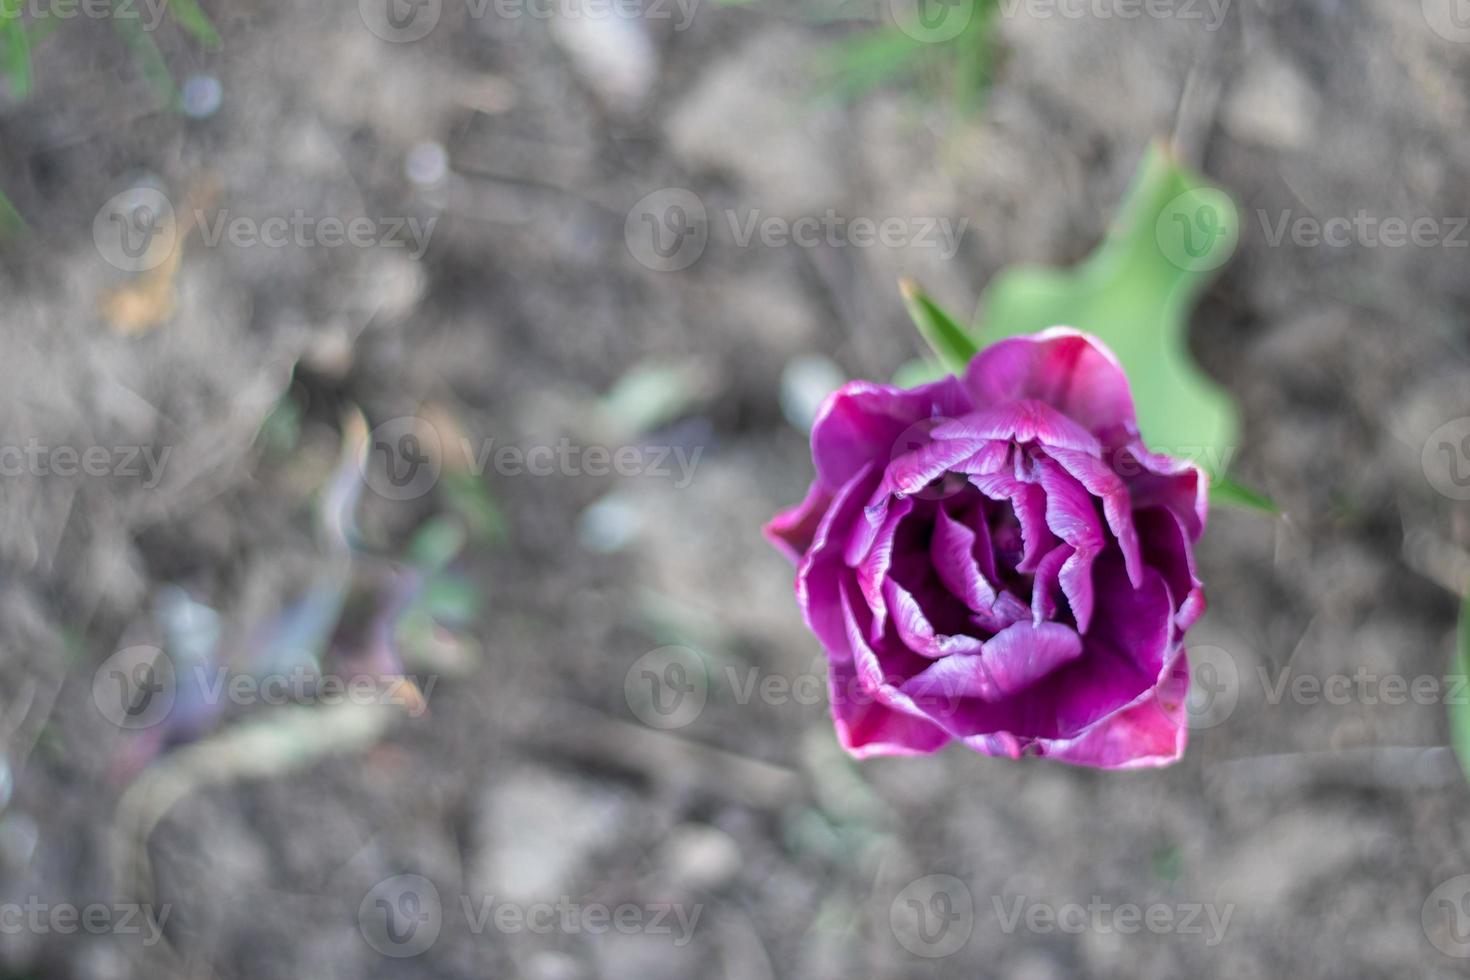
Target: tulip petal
x=1100 y=481
x=821 y=571
x=792 y=530
x=862 y=422
x=916 y=631
x=1071 y=371
x=1151 y=733
x=1011 y=661
x=952 y=549
x=1161 y=480
x=1023 y=421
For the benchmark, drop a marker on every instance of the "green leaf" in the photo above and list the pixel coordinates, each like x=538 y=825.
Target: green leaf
x=436 y=543
x=15 y=50
x=919 y=371
x=194 y=20
x=10 y=220
x=861 y=63
x=155 y=69
x=1135 y=293
x=1457 y=708
x=948 y=339
x=1227 y=493
x=470 y=498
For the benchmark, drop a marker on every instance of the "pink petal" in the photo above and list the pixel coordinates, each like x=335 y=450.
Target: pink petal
x=866 y=727
x=1149 y=733
x=862 y=422
x=915 y=630
x=792 y=530
x=1012 y=660
x=1102 y=482
x=952 y=549
x=821 y=572
x=1025 y=420
x=1068 y=370
x=1181 y=486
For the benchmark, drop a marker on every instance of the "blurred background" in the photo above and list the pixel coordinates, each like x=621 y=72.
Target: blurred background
x=393 y=392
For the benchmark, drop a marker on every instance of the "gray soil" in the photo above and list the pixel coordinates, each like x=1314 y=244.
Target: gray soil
x=1320 y=829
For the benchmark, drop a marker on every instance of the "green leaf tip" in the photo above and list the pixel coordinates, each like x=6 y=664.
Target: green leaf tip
x=950 y=342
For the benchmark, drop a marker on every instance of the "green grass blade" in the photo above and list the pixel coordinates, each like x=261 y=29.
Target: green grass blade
x=950 y=342
x=15 y=50
x=1226 y=492
x=1457 y=708
x=150 y=59
x=10 y=220
x=193 y=19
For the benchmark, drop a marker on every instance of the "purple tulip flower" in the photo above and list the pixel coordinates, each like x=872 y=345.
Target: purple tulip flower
x=999 y=560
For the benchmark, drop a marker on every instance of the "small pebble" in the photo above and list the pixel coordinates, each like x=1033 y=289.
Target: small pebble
x=201 y=96
x=609 y=525
x=700 y=856
x=806 y=381
x=427 y=163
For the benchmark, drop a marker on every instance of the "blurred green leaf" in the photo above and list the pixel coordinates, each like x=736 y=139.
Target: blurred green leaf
x=436 y=542
x=1226 y=492
x=194 y=20
x=651 y=394
x=948 y=339
x=919 y=371
x=469 y=497
x=15 y=49
x=1135 y=292
x=10 y=220
x=862 y=62
x=1457 y=708
x=150 y=60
